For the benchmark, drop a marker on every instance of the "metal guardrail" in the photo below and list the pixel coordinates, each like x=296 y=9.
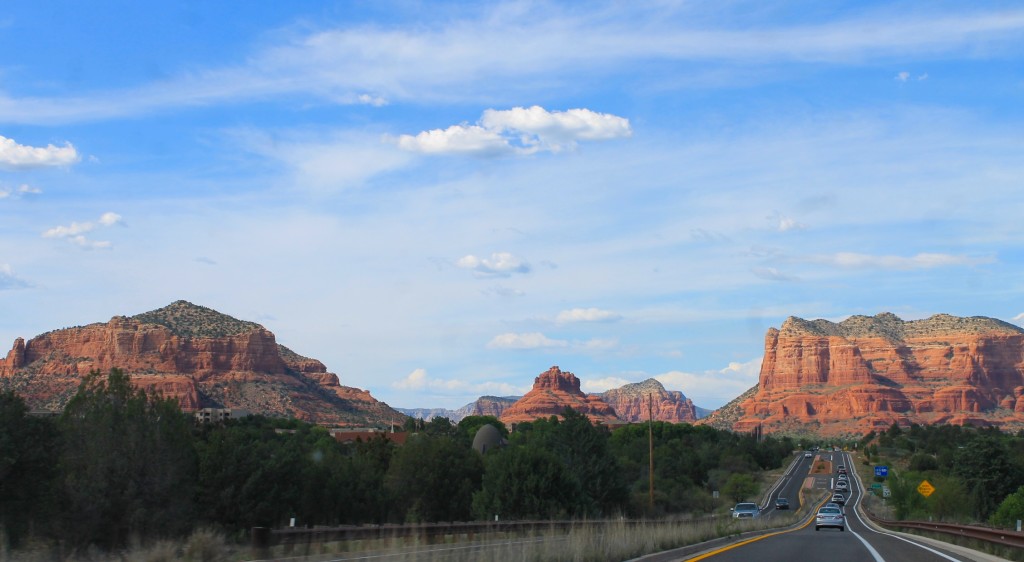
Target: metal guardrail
x=987 y=534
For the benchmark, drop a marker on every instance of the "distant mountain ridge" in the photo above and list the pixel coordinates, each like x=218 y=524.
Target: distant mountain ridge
x=483 y=406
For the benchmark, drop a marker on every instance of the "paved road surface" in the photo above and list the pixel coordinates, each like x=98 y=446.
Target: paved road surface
x=859 y=543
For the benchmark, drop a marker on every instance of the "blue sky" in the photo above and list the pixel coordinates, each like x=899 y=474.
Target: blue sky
x=441 y=201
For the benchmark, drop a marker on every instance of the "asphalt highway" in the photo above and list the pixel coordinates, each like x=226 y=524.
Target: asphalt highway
x=858 y=543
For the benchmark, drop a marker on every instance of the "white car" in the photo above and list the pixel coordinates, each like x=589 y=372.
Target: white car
x=842 y=485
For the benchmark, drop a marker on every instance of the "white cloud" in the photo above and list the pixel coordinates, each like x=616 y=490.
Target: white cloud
x=1018 y=317
x=587 y=315
x=599 y=344
x=109 y=219
x=787 y=224
x=903 y=76
x=75 y=232
x=530 y=340
x=500 y=264
x=465 y=139
x=919 y=261
x=519 y=130
x=20 y=156
x=922 y=77
x=419 y=380
x=8 y=280
x=602 y=384
x=714 y=388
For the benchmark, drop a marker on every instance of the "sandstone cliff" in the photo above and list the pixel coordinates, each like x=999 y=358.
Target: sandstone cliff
x=552 y=392
x=631 y=403
x=867 y=372
x=198 y=355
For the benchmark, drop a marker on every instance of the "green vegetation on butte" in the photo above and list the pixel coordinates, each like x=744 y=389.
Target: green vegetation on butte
x=191 y=320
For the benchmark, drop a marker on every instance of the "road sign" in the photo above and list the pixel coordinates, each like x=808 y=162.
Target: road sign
x=882 y=471
x=925 y=488
x=886 y=492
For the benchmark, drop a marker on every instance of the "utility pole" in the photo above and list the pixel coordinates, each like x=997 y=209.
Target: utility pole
x=650 y=443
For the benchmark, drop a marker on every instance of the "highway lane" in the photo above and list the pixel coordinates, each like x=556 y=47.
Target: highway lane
x=858 y=543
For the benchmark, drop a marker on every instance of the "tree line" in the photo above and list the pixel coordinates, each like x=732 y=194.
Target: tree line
x=977 y=473
x=120 y=465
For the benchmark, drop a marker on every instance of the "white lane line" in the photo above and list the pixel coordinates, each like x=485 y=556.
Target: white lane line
x=860 y=494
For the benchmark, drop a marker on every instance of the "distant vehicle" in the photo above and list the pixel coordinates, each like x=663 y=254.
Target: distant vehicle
x=745 y=510
x=808 y=455
x=782 y=503
x=841 y=469
x=842 y=485
x=842 y=477
x=833 y=504
x=839 y=499
x=830 y=517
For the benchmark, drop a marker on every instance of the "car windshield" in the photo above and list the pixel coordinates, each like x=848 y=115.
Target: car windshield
x=829 y=511
x=745 y=506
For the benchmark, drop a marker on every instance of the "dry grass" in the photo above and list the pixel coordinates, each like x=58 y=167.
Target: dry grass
x=203 y=545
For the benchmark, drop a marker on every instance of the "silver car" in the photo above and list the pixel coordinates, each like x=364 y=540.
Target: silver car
x=745 y=510
x=830 y=517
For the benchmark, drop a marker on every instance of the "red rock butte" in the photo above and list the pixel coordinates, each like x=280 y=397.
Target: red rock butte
x=865 y=373
x=633 y=402
x=192 y=353
x=553 y=391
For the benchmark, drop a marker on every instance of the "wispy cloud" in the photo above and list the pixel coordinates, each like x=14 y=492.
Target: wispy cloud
x=8 y=280
x=419 y=380
x=500 y=264
x=76 y=231
x=918 y=261
x=519 y=131
x=773 y=274
x=529 y=340
x=587 y=315
x=21 y=190
x=436 y=60
x=20 y=157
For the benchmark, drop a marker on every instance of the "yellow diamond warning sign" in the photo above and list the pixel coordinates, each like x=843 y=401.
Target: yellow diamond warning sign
x=925 y=488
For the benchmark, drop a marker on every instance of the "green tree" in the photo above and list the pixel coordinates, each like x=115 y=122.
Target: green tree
x=740 y=487
x=433 y=479
x=27 y=468
x=1010 y=510
x=127 y=463
x=525 y=482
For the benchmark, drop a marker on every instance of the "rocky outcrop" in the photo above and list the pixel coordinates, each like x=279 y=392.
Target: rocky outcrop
x=632 y=402
x=867 y=372
x=483 y=406
x=195 y=354
x=487 y=406
x=554 y=391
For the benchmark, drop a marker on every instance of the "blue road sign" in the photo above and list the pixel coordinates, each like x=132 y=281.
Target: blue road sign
x=882 y=471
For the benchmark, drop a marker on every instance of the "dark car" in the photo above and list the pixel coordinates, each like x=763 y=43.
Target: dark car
x=782 y=503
